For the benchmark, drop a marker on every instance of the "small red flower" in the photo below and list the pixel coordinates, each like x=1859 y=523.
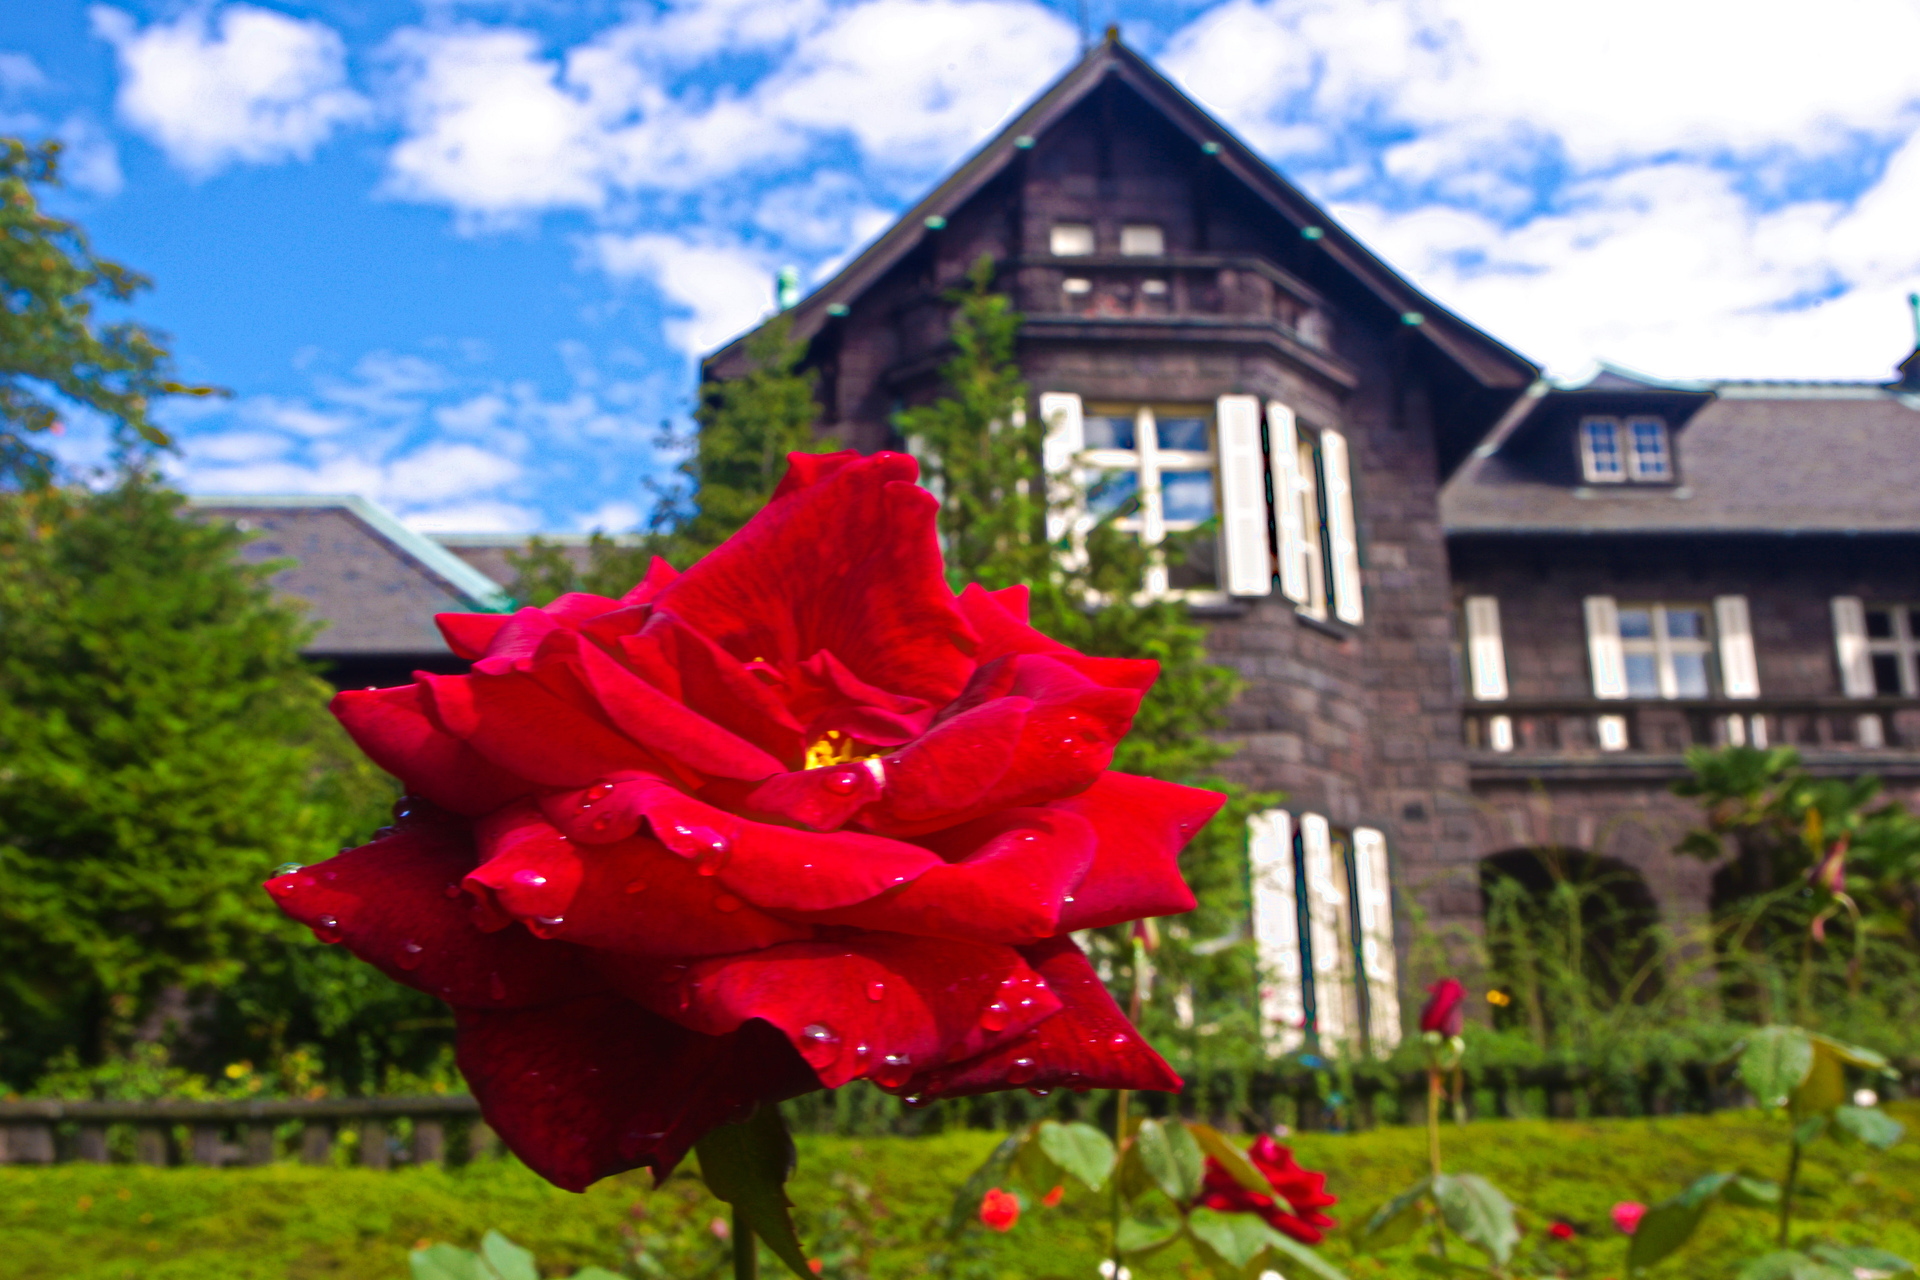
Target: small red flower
x=1445 y=1011
x=999 y=1209
x=1298 y=1194
x=816 y=1266
x=1052 y=1198
x=1627 y=1215
x=1560 y=1231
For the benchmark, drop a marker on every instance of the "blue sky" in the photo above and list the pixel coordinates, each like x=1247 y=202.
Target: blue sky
x=461 y=258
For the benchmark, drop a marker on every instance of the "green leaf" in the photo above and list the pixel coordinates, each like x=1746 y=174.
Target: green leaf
x=1080 y=1149
x=1782 y=1265
x=1853 y=1054
x=1145 y=1235
x=447 y=1262
x=1171 y=1158
x=747 y=1165
x=508 y=1260
x=1856 y=1258
x=991 y=1173
x=1445 y=1266
x=596 y=1273
x=1234 y=1239
x=1776 y=1060
x=1231 y=1158
x=1750 y=1192
x=1474 y=1210
x=1302 y=1258
x=1670 y=1224
x=1391 y=1223
x=1809 y=1129
x=1826 y=1084
x=1869 y=1124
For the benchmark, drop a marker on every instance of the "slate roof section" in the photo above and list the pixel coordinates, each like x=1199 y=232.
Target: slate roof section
x=1759 y=457
x=374 y=583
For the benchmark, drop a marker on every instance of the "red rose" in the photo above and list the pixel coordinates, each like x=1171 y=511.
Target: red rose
x=1298 y=1194
x=1445 y=1010
x=999 y=1209
x=796 y=817
x=1561 y=1231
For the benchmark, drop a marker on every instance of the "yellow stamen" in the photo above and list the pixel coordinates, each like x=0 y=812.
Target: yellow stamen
x=835 y=748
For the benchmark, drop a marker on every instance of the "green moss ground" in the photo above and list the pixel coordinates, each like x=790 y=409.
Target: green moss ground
x=875 y=1207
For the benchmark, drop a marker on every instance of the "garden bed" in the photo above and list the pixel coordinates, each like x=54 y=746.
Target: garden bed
x=876 y=1207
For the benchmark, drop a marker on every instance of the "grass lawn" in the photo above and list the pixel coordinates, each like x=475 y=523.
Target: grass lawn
x=876 y=1207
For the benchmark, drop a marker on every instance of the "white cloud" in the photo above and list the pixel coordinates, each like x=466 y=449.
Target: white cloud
x=238 y=85
x=717 y=289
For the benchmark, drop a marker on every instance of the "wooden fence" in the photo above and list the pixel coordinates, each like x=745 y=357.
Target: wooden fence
x=379 y=1133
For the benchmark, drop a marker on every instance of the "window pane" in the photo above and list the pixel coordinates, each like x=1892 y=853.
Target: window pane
x=1187 y=495
x=1109 y=433
x=1886 y=673
x=1636 y=624
x=1686 y=624
x=1643 y=681
x=1071 y=240
x=1603 y=449
x=1112 y=490
x=1913 y=623
x=1650 y=449
x=1182 y=433
x=1880 y=624
x=1142 y=241
x=1690 y=675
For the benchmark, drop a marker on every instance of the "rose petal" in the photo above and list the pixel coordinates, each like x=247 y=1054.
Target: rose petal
x=806 y=469
x=848 y=562
x=872 y=1005
x=675 y=658
x=1141 y=825
x=600 y=1085
x=818 y=799
x=469 y=634
x=660 y=575
x=388 y=902
x=664 y=727
x=392 y=726
x=521 y=724
x=1089 y=1044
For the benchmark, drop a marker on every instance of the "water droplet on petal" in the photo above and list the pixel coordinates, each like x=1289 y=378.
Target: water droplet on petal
x=1038 y=1093
x=726 y=903
x=544 y=926
x=996 y=1016
x=895 y=1069
x=819 y=1045
x=636 y=886
x=1021 y=1070
x=601 y=823
x=327 y=929
x=529 y=879
x=876 y=991
x=918 y=1099
x=411 y=954
x=599 y=791
x=287 y=869
x=452 y=890
x=842 y=782
x=497 y=987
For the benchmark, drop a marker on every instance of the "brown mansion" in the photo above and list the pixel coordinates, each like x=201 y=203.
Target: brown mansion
x=1477 y=612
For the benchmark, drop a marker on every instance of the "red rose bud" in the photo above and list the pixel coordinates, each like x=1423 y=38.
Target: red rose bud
x=1295 y=1204
x=1445 y=1011
x=796 y=817
x=999 y=1209
x=1052 y=1198
x=1627 y=1215
x=1560 y=1231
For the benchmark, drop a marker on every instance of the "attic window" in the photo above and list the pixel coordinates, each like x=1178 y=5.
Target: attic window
x=1142 y=241
x=1613 y=451
x=1071 y=240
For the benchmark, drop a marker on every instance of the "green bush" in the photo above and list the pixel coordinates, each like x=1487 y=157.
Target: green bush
x=876 y=1207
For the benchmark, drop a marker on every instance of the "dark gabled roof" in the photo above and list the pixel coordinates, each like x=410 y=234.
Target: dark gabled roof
x=374 y=583
x=1486 y=360
x=1759 y=457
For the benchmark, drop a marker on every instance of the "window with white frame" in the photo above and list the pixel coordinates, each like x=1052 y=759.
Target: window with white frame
x=1615 y=450
x=1666 y=650
x=1142 y=240
x=1070 y=240
x=1893 y=648
x=1151 y=469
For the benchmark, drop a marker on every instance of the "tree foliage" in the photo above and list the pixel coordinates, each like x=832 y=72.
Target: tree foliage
x=163 y=746
x=51 y=348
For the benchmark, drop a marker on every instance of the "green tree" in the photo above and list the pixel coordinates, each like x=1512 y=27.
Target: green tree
x=51 y=350
x=163 y=746
x=980 y=446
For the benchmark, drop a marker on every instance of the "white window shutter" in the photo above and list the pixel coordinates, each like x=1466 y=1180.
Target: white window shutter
x=1328 y=931
x=1373 y=895
x=1343 y=537
x=1739 y=669
x=1066 y=438
x=1850 y=645
x=1486 y=656
x=1276 y=931
x=1283 y=443
x=1603 y=648
x=1243 y=497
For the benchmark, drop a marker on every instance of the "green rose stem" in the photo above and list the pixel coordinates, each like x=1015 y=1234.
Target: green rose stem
x=1120 y=1095
x=1786 y=1189
x=746 y=1252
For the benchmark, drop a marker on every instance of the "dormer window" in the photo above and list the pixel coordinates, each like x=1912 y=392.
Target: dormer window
x=1071 y=240
x=1613 y=450
x=1142 y=241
